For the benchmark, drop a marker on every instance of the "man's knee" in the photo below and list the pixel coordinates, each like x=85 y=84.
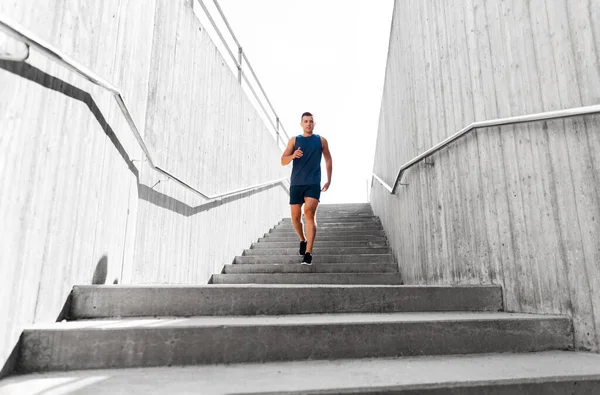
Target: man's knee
x=309 y=215
x=296 y=214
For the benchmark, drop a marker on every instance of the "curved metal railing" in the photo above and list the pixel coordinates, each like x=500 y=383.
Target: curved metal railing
x=567 y=113
x=21 y=34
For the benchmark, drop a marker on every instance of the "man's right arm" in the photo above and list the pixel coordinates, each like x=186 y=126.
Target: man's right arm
x=289 y=154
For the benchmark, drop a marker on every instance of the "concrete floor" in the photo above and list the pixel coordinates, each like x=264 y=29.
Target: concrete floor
x=310 y=375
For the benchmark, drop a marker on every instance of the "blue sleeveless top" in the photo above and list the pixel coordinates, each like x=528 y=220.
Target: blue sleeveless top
x=307 y=170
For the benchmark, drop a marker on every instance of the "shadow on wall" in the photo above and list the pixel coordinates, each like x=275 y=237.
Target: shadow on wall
x=160 y=199
x=38 y=76
x=101 y=271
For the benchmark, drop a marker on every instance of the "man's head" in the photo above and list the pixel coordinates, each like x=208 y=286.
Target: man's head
x=307 y=122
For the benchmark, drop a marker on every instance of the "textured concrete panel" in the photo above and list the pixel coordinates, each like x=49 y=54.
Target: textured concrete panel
x=515 y=205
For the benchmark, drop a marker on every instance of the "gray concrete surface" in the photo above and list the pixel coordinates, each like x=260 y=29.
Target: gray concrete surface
x=338 y=219
x=382 y=243
x=333 y=232
x=498 y=374
x=206 y=340
x=152 y=300
x=314 y=268
x=296 y=259
x=308 y=278
x=336 y=226
x=338 y=250
x=325 y=238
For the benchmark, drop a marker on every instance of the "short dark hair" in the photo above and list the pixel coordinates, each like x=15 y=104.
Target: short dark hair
x=306 y=114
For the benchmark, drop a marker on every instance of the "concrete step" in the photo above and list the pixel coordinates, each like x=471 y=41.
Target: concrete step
x=296 y=259
x=350 y=226
x=330 y=232
x=308 y=278
x=94 y=344
x=337 y=218
x=343 y=214
x=266 y=268
x=538 y=373
x=344 y=208
x=320 y=244
x=317 y=251
x=327 y=220
x=363 y=205
x=344 y=211
x=332 y=229
x=272 y=237
x=108 y=301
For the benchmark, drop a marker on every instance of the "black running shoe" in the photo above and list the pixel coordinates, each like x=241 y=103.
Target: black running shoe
x=307 y=259
x=302 y=247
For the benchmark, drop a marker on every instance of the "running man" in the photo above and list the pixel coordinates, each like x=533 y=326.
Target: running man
x=306 y=151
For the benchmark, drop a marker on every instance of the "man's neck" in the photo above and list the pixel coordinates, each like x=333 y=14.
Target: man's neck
x=307 y=134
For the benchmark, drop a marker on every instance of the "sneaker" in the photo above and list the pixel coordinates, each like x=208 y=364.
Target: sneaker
x=307 y=259
x=302 y=247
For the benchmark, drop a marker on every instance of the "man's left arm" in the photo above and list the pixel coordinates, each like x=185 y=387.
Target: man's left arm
x=328 y=163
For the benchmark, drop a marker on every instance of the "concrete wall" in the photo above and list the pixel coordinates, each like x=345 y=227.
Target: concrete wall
x=519 y=205
x=77 y=202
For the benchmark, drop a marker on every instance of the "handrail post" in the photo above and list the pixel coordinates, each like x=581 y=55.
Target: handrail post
x=240 y=59
x=277 y=129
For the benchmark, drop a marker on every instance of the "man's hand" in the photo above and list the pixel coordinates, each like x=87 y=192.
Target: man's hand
x=298 y=153
x=325 y=187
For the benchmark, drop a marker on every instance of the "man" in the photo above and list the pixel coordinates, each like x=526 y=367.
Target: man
x=306 y=151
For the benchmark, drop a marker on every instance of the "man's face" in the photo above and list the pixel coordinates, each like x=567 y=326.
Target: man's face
x=308 y=124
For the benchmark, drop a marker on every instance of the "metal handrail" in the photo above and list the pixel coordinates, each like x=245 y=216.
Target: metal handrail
x=16 y=57
x=238 y=64
x=22 y=34
x=570 y=112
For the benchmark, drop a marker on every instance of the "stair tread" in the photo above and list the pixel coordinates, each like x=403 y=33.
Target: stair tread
x=337 y=286
x=293 y=319
x=424 y=372
x=299 y=278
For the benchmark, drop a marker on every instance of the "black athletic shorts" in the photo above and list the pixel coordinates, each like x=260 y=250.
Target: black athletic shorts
x=299 y=192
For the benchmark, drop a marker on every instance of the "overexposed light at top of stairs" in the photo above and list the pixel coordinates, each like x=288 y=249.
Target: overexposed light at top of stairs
x=327 y=57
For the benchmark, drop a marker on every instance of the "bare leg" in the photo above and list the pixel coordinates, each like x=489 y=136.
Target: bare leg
x=310 y=210
x=297 y=221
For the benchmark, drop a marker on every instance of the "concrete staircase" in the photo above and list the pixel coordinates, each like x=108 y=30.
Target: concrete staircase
x=342 y=325
x=351 y=249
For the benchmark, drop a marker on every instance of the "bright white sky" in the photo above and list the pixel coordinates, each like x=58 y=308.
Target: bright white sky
x=327 y=57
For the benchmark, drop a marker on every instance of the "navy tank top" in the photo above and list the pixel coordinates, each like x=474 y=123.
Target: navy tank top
x=307 y=170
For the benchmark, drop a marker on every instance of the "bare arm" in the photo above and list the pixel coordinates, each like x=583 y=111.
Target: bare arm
x=328 y=163
x=289 y=154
